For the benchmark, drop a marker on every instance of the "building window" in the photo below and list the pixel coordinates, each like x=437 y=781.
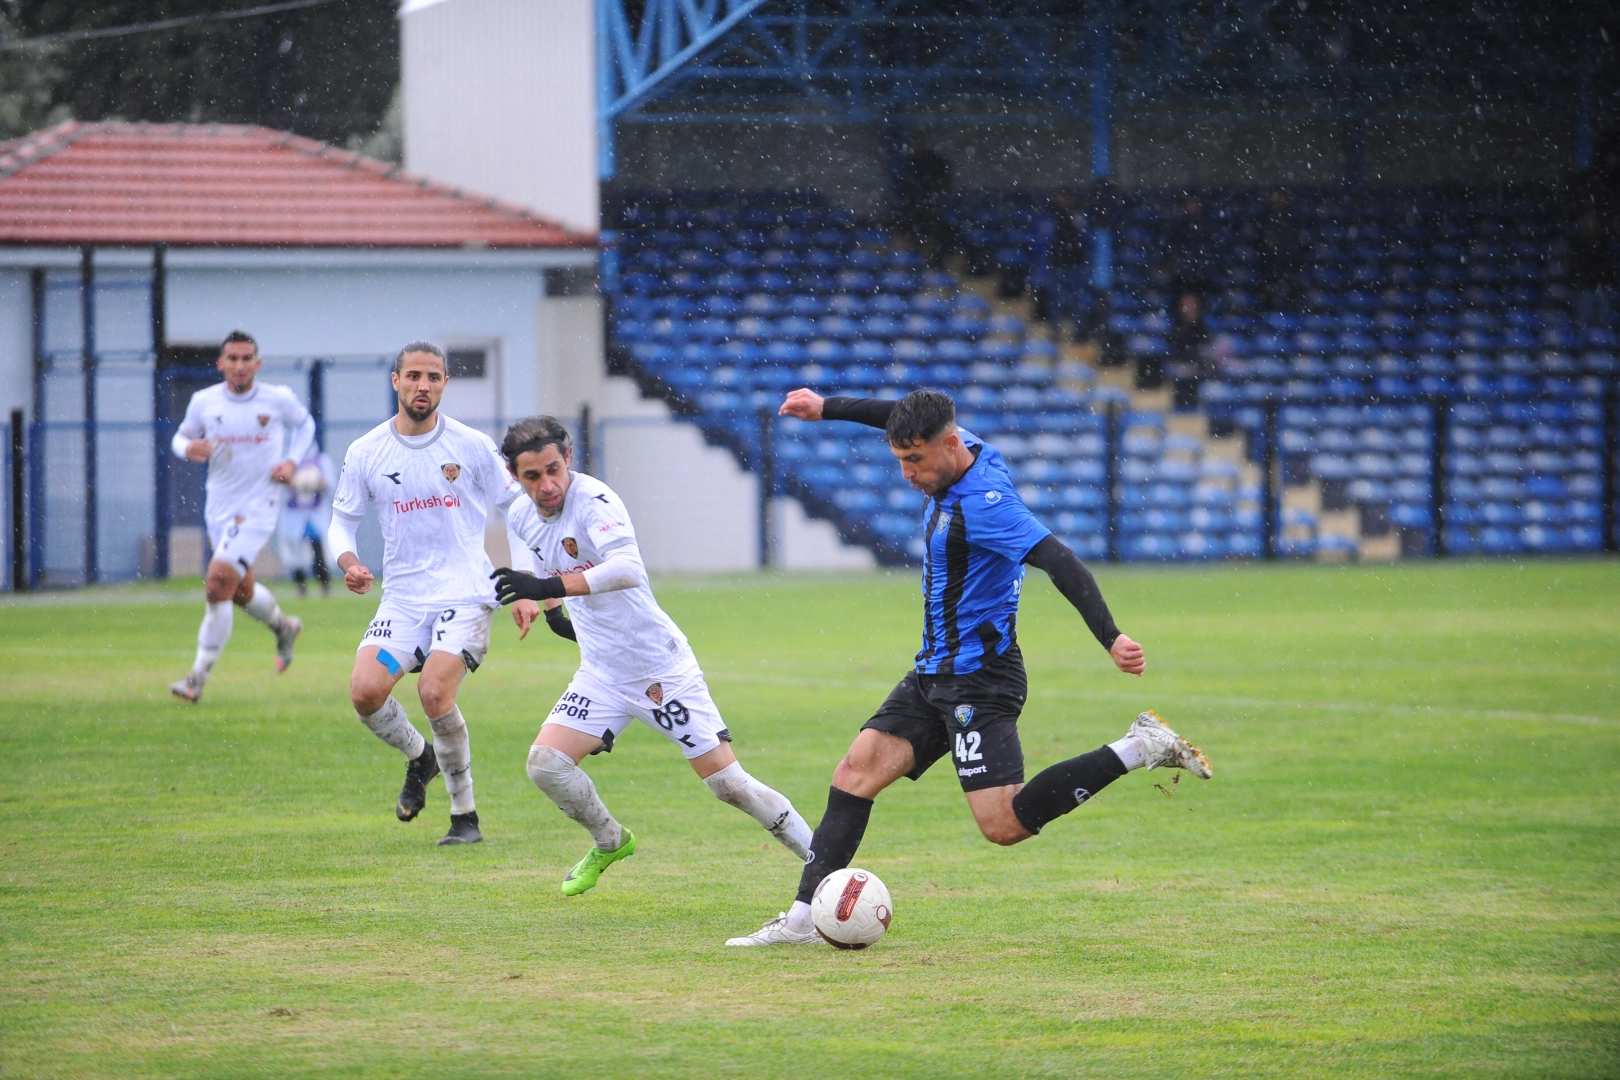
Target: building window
x=468 y=363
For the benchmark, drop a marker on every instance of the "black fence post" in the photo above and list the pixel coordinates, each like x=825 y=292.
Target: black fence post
x=585 y=463
x=1441 y=408
x=163 y=463
x=317 y=401
x=87 y=365
x=767 y=483
x=1611 y=450
x=36 y=435
x=19 y=556
x=1111 y=479
x=1268 y=480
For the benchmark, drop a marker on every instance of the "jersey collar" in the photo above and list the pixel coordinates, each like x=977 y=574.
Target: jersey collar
x=431 y=439
x=232 y=395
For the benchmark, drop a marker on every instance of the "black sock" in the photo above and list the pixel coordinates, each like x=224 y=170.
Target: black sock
x=1064 y=786
x=835 y=840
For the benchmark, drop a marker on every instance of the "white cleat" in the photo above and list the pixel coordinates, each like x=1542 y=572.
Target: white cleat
x=189 y=689
x=291 y=627
x=1166 y=749
x=776 y=932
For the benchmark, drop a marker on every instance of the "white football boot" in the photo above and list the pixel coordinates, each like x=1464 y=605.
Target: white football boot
x=189 y=688
x=286 y=634
x=776 y=932
x=1166 y=749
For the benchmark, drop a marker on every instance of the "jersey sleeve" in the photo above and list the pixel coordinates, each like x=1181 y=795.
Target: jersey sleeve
x=293 y=412
x=350 y=498
x=517 y=540
x=500 y=485
x=608 y=522
x=998 y=520
x=192 y=425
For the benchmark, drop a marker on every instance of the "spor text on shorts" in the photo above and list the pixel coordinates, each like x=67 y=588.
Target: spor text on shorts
x=407 y=633
x=972 y=717
x=677 y=706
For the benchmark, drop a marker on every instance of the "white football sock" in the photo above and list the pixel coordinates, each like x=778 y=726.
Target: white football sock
x=732 y=785
x=263 y=607
x=1132 y=754
x=392 y=726
x=454 y=751
x=212 y=635
x=799 y=918
x=566 y=784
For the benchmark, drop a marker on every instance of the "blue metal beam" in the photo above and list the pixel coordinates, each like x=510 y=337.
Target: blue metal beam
x=626 y=71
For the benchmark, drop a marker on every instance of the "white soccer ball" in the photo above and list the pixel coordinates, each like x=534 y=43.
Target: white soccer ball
x=851 y=908
x=308 y=480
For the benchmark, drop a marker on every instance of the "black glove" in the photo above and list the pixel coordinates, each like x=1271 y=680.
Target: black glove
x=512 y=585
x=560 y=624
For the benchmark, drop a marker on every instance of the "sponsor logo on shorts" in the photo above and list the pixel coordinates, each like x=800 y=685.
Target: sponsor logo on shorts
x=964 y=715
x=975 y=771
x=576 y=706
x=656 y=693
x=571 y=546
x=264 y=419
x=450 y=472
x=1081 y=795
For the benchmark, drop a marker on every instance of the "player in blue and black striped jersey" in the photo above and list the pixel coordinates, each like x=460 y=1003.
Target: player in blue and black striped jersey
x=967 y=686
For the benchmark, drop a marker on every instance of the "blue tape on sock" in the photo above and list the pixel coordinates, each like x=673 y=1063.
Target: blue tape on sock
x=386 y=659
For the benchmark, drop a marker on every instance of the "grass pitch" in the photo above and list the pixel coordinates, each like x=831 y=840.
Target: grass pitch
x=1408 y=861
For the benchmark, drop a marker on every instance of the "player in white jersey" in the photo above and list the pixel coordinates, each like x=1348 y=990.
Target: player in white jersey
x=432 y=481
x=635 y=663
x=237 y=428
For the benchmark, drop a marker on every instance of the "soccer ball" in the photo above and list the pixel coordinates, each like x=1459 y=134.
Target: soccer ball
x=308 y=480
x=851 y=909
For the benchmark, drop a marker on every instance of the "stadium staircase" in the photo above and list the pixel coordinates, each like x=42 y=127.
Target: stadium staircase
x=722 y=302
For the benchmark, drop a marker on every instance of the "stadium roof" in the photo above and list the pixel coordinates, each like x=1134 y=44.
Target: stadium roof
x=239 y=186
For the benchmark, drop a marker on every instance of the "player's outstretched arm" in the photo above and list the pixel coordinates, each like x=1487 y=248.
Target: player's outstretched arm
x=802 y=403
x=1077 y=585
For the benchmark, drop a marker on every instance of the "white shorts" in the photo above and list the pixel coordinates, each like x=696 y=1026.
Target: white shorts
x=406 y=633
x=238 y=540
x=677 y=705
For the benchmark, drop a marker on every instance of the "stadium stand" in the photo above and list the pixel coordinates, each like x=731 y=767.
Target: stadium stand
x=1387 y=321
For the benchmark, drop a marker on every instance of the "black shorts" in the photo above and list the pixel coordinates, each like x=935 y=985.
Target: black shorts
x=972 y=717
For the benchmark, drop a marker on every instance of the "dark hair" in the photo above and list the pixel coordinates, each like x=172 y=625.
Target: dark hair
x=420 y=346
x=535 y=433
x=919 y=416
x=238 y=335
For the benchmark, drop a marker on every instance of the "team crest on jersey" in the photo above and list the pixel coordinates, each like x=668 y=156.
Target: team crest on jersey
x=264 y=419
x=964 y=715
x=450 y=472
x=656 y=693
x=571 y=546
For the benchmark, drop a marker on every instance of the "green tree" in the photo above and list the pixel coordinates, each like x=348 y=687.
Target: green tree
x=328 y=72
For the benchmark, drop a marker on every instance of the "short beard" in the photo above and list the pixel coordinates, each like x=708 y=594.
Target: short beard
x=416 y=417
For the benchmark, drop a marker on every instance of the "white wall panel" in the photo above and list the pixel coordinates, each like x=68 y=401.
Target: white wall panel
x=500 y=98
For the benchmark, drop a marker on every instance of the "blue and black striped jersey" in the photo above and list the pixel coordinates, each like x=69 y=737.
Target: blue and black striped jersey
x=978 y=533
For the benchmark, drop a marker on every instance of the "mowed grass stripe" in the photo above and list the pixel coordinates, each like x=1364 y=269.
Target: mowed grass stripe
x=1407 y=861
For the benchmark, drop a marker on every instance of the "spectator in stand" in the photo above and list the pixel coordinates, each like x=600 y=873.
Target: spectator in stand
x=1192 y=250
x=1189 y=351
x=1592 y=270
x=1066 y=262
x=1278 y=242
x=924 y=181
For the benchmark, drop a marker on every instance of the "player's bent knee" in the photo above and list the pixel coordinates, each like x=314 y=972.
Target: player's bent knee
x=549 y=768
x=1004 y=834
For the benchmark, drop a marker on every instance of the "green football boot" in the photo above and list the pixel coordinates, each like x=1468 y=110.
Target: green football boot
x=585 y=872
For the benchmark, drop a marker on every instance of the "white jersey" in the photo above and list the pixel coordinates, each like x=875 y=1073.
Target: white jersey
x=432 y=495
x=249 y=438
x=623 y=635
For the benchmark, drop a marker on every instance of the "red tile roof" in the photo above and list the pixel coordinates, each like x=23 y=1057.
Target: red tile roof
x=238 y=186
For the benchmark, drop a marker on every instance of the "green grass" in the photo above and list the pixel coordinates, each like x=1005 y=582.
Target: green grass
x=1408 y=861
